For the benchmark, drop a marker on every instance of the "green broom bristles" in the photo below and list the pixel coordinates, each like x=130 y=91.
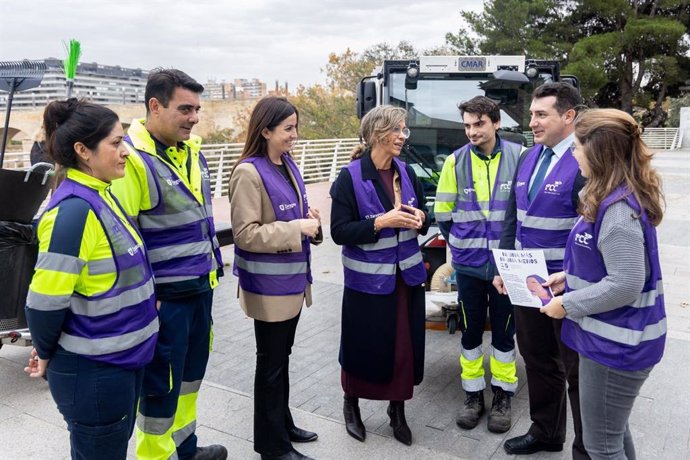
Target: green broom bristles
x=70 y=64
x=73 y=53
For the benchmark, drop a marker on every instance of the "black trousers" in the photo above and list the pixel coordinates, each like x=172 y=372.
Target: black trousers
x=549 y=365
x=272 y=417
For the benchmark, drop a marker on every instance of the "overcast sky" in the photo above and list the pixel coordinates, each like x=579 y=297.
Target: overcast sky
x=266 y=39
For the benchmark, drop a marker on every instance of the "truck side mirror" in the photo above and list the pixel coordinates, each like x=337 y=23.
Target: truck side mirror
x=571 y=80
x=366 y=97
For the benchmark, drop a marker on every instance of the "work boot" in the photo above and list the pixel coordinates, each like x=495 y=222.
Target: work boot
x=472 y=409
x=401 y=432
x=499 y=416
x=212 y=452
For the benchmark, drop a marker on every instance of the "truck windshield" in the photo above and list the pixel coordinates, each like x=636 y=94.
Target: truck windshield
x=434 y=119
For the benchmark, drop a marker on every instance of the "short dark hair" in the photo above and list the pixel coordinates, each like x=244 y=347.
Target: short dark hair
x=481 y=105
x=161 y=84
x=71 y=121
x=567 y=96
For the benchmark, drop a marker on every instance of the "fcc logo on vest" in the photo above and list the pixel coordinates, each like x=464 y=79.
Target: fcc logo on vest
x=505 y=187
x=133 y=250
x=582 y=239
x=553 y=188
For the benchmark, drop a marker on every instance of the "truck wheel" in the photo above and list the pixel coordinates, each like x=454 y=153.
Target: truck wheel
x=438 y=282
x=452 y=324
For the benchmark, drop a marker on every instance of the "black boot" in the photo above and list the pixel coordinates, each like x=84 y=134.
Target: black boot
x=499 y=416
x=353 y=418
x=401 y=432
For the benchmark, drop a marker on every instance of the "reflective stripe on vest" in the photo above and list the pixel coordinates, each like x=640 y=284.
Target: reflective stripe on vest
x=179 y=231
x=629 y=337
x=270 y=273
x=473 y=233
x=545 y=222
x=371 y=268
x=118 y=326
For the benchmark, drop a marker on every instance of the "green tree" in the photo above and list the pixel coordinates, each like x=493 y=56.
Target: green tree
x=325 y=113
x=625 y=52
x=513 y=27
x=345 y=70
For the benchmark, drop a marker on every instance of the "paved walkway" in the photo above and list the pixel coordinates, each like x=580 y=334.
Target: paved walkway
x=31 y=427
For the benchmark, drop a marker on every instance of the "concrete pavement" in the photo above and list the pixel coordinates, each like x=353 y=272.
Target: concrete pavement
x=31 y=427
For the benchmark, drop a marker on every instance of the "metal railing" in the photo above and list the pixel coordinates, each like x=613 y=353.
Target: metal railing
x=319 y=160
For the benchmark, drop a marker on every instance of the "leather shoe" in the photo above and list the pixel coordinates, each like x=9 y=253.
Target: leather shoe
x=353 y=418
x=528 y=444
x=289 y=455
x=299 y=435
x=212 y=452
x=401 y=432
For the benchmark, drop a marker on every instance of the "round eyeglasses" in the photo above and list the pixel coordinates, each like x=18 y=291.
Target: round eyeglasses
x=405 y=132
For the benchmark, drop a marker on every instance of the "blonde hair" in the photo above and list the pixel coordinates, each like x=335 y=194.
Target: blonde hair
x=376 y=125
x=616 y=155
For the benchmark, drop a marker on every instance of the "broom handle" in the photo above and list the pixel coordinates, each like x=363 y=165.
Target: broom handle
x=10 y=96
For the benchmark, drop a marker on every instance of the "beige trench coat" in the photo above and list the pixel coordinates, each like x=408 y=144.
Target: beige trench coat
x=255 y=229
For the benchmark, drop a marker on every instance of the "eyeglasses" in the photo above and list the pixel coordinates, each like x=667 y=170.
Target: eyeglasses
x=405 y=132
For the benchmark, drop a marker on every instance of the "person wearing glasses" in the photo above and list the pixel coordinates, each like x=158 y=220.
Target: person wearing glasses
x=471 y=199
x=376 y=215
x=613 y=307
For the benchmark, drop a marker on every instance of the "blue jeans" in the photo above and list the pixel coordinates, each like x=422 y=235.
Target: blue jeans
x=98 y=401
x=607 y=396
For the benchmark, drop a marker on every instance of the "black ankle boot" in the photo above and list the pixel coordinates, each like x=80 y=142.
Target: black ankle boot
x=401 y=432
x=353 y=418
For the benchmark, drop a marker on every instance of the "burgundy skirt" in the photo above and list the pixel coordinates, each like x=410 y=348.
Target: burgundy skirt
x=401 y=385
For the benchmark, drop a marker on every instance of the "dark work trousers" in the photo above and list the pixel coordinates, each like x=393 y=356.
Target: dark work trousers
x=180 y=359
x=549 y=365
x=272 y=417
x=98 y=402
x=477 y=296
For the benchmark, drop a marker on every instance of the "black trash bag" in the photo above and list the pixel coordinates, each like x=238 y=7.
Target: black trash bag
x=18 y=253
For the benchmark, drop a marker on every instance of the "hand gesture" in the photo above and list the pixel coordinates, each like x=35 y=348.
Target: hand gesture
x=398 y=218
x=309 y=227
x=556 y=282
x=37 y=367
x=416 y=211
x=554 y=309
x=498 y=284
x=314 y=214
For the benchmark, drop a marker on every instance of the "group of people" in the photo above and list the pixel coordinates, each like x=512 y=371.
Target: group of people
x=120 y=303
x=586 y=195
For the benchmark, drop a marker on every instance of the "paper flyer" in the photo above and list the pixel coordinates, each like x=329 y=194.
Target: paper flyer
x=523 y=273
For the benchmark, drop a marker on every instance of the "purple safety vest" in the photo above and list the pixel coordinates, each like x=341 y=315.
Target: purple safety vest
x=119 y=326
x=545 y=223
x=270 y=273
x=473 y=234
x=179 y=232
x=371 y=268
x=631 y=337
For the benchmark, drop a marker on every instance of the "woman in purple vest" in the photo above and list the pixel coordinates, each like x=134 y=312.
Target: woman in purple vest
x=376 y=215
x=273 y=227
x=613 y=303
x=91 y=306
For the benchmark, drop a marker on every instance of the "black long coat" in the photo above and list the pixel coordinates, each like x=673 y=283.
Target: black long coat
x=367 y=343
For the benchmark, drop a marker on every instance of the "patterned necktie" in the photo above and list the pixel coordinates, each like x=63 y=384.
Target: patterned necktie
x=546 y=155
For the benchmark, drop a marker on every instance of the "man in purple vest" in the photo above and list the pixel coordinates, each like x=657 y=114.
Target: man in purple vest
x=541 y=212
x=167 y=191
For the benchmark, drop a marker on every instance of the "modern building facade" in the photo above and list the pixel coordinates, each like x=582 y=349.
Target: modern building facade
x=98 y=83
x=239 y=89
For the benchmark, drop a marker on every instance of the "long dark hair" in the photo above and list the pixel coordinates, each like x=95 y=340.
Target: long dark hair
x=71 y=121
x=268 y=113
